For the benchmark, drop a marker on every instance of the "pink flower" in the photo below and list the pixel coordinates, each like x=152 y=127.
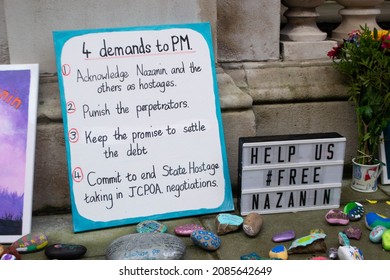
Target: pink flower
x=385 y=42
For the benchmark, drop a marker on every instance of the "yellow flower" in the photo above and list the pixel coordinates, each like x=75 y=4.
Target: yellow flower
x=381 y=33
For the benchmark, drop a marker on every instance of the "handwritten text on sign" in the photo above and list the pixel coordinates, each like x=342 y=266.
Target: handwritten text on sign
x=291 y=172
x=143 y=124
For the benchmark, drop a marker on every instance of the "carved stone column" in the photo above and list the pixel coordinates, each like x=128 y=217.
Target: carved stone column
x=301 y=21
x=356 y=13
x=301 y=39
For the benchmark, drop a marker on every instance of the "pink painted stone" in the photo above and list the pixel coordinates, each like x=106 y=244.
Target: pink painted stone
x=187 y=229
x=336 y=217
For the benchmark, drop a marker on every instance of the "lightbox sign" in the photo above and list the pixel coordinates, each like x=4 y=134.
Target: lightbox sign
x=289 y=173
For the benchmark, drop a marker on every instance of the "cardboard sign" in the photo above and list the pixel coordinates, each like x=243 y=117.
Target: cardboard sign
x=18 y=115
x=290 y=173
x=142 y=123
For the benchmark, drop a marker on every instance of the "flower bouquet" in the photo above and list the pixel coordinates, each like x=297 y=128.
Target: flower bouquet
x=364 y=58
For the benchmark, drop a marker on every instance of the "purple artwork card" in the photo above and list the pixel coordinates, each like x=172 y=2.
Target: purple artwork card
x=18 y=110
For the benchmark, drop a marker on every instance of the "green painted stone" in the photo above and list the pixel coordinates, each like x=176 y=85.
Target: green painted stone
x=151 y=226
x=386 y=240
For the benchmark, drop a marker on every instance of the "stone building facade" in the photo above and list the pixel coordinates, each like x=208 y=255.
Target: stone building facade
x=268 y=85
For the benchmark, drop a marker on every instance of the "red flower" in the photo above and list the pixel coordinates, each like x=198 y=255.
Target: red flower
x=385 y=42
x=334 y=53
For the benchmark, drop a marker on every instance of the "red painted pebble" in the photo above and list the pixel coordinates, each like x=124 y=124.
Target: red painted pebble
x=31 y=243
x=187 y=229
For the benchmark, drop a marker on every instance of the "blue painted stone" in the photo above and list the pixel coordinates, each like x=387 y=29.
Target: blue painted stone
x=354 y=211
x=151 y=226
x=376 y=234
x=227 y=223
x=206 y=239
x=146 y=246
x=279 y=252
x=251 y=256
x=374 y=219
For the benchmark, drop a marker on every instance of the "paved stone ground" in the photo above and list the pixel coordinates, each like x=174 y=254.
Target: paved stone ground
x=59 y=228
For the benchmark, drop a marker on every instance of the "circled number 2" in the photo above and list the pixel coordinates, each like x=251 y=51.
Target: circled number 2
x=70 y=107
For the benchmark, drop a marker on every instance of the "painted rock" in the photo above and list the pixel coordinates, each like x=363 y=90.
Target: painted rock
x=146 y=246
x=349 y=253
x=354 y=211
x=251 y=256
x=151 y=226
x=353 y=232
x=374 y=219
x=7 y=257
x=227 y=223
x=343 y=239
x=187 y=229
x=65 y=251
x=279 y=252
x=31 y=243
x=313 y=243
x=252 y=224
x=386 y=240
x=336 y=217
x=376 y=234
x=316 y=230
x=206 y=239
x=283 y=236
x=318 y=258
x=2 y=249
x=333 y=253
x=10 y=250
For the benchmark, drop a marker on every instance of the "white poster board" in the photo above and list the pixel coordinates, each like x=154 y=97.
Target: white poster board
x=142 y=122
